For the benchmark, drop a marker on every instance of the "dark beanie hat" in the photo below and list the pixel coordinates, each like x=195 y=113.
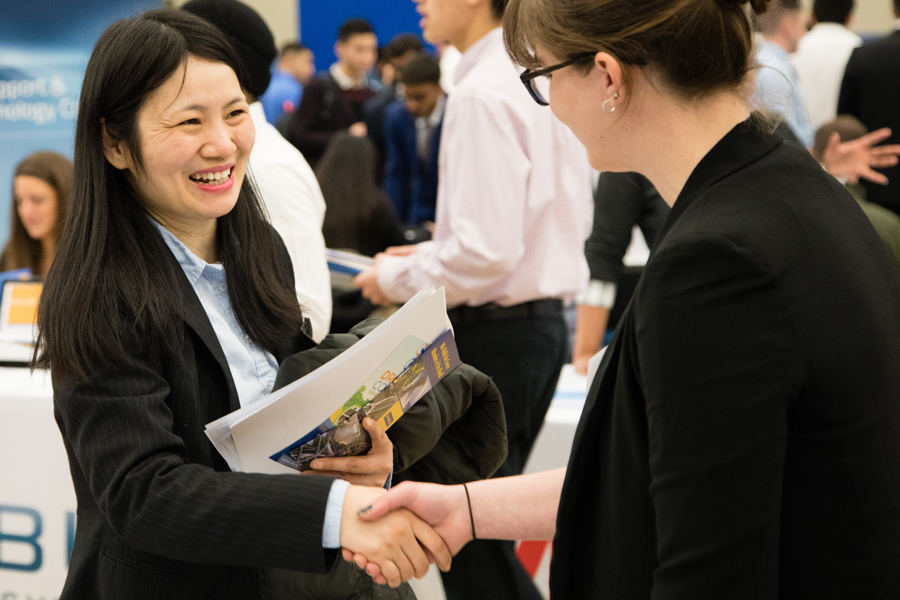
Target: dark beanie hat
x=247 y=32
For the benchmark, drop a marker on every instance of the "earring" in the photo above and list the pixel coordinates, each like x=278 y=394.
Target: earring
x=615 y=96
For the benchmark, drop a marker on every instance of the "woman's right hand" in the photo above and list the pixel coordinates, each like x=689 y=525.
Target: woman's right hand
x=401 y=543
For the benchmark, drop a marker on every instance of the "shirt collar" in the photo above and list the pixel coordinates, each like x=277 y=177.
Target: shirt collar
x=344 y=81
x=472 y=56
x=830 y=25
x=192 y=265
x=773 y=48
x=436 y=115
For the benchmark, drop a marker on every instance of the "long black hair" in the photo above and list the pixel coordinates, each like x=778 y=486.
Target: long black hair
x=111 y=273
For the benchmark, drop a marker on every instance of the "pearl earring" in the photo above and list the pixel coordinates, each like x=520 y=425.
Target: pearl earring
x=615 y=96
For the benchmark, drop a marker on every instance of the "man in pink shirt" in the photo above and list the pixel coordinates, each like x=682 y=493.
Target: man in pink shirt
x=513 y=211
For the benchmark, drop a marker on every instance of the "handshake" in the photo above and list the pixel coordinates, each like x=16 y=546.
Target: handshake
x=396 y=535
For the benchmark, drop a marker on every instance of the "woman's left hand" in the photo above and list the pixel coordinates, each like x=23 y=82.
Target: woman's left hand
x=371 y=469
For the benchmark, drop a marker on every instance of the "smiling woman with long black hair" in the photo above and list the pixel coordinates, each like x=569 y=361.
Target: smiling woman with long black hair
x=171 y=304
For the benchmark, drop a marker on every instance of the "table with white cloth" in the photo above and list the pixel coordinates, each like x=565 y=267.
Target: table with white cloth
x=37 y=502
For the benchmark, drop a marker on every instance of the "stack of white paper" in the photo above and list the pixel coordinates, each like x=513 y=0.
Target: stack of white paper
x=249 y=436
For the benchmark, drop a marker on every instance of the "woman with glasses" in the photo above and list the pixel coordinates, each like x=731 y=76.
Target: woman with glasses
x=741 y=438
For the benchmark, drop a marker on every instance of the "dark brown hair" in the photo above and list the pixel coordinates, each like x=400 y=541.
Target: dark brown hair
x=833 y=11
x=23 y=252
x=422 y=69
x=353 y=200
x=695 y=47
x=352 y=27
x=111 y=281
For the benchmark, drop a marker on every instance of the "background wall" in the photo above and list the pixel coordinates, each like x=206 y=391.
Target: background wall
x=873 y=17
x=316 y=22
x=320 y=19
x=281 y=16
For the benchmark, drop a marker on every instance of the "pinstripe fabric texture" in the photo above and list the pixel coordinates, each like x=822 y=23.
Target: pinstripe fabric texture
x=159 y=513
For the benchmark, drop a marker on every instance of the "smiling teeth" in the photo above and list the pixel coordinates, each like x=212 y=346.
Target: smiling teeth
x=218 y=177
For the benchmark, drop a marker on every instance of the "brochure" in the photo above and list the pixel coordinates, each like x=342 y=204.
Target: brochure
x=248 y=437
x=346 y=436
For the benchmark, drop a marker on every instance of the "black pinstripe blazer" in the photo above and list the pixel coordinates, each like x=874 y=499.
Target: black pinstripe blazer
x=159 y=513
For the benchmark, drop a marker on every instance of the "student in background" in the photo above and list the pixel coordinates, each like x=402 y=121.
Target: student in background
x=778 y=90
x=886 y=222
x=41 y=187
x=412 y=141
x=334 y=101
x=295 y=69
x=358 y=214
x=869 y=92
x=359 y=217
x=822 y=56
x=400 y=51
x=777 y=83
x=621 y=202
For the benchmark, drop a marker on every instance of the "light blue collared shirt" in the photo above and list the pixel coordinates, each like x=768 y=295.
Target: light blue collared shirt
x=252 y=368
x=778 y=89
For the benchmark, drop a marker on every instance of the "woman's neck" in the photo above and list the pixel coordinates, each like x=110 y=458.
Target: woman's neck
x=199 y=239
x=671 y=138
x=48 y=251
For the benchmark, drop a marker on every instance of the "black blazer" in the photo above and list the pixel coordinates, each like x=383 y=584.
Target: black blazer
x=870 y=92
x=159 y=513
x=741 y=439
x=621 y=201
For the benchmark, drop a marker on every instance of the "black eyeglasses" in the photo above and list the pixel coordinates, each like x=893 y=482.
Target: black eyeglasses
x=530 y=78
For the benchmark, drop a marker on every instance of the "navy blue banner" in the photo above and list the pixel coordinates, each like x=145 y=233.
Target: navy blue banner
x=44 y=48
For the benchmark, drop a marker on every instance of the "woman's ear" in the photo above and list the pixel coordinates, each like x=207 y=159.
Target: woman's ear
x=610 y=70
x=116 y=151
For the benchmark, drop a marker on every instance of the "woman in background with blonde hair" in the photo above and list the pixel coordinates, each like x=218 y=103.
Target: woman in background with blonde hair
x=41 y=187
x=741 y=438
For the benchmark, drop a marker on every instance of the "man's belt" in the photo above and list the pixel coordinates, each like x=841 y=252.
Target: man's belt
x=549 y=307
